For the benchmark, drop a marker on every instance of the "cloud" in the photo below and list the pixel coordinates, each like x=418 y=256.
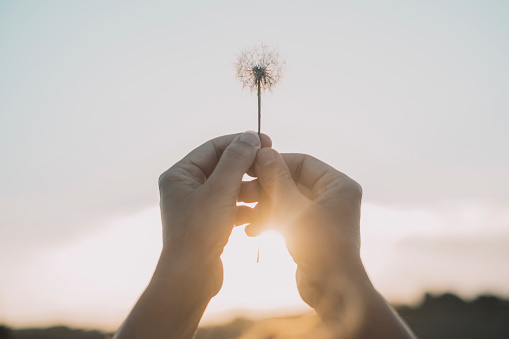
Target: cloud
x=466 y=264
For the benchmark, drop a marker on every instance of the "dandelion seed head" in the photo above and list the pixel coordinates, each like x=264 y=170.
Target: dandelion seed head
x=261 y=66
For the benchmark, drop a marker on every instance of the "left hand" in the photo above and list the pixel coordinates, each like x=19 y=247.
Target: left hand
x=198 y=203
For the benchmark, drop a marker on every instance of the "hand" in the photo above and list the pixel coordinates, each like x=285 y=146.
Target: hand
x=198 y=211
x=198 y=202
x=317 y=208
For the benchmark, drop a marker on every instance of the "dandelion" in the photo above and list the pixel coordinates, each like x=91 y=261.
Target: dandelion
x=259 y=68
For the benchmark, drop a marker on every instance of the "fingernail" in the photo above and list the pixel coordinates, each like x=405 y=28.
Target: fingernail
x=251 y=138
x=266 y=156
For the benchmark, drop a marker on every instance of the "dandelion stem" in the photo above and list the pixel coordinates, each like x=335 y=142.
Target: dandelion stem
x=258 y=254
x=259 y=130
x=259 y=68
x=259 y=106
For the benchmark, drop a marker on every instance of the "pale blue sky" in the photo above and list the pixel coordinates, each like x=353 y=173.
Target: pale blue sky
x=408 y=98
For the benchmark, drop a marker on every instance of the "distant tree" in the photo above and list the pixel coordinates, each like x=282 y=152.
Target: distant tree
x=448 y=316
x=443 y=301
x=5 y=332
x=490 y=302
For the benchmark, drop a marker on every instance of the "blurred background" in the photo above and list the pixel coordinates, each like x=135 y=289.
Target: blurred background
x=97 y=99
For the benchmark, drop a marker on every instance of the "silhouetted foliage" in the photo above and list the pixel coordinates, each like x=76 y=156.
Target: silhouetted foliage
x=5 y=332
x=59 y=332
x=443 y=316
x=447 y=316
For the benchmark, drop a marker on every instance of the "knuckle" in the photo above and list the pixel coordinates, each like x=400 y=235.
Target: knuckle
x=163 y=178
x=355 y=188
x=349 y=187
x=167 y=177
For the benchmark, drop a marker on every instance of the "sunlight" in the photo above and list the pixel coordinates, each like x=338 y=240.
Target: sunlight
x=113 y=265
x=265 y=286
x=90 y=282
x=273 y=250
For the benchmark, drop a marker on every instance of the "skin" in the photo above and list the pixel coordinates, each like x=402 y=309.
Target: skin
x=315 y=207
x=318 y=209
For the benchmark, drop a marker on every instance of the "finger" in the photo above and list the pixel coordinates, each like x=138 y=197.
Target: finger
x=200 y=163
x=260 y=220
x=274 y=176
x=251 y=172
x=245 y=215
x=249 y=191
x=265 y=140
x=236 y=159
x=285 y=202
x=309 y=172
x=254 y=230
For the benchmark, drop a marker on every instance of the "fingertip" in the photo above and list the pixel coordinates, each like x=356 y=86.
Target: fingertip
x=253 y=230
x=265 y=140
x=252 y=138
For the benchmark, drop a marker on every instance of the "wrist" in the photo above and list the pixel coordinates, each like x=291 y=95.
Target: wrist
x=351 y=307
x=200 y=277
x=173 y=302
x=342 y=294
x=333 y=286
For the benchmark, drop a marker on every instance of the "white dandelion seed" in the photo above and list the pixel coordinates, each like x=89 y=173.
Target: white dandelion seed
x=259 y=68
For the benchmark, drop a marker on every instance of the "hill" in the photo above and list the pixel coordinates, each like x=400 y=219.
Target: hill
x=444 y=316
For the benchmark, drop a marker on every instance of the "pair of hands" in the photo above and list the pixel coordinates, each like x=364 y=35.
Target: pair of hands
x=314 y=206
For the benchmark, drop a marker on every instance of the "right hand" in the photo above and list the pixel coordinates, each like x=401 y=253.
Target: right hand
x=317 y=209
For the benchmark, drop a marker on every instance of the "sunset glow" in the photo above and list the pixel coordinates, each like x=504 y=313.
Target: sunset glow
x=97 y=99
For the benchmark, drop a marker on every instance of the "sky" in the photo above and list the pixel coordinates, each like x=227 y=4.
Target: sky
x=97 y=99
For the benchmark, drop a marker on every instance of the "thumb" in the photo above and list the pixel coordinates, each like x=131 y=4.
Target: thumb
x=273 y=174
x=236 y=160
x=278 y=185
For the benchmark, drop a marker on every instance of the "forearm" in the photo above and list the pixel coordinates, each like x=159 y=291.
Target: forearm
x=350 y=307
x=172 y=304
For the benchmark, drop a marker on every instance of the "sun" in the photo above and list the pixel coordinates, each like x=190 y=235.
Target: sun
x=272 y=248
x=266 y=286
